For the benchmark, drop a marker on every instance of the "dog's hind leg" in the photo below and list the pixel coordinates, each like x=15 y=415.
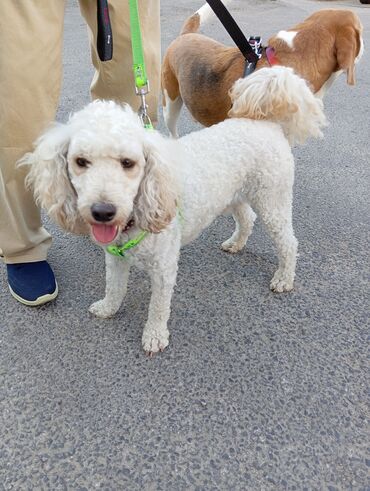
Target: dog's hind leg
x=171 y=113
x=117 y=272
x=277 y=218
x=244 y=218
x=171 y=99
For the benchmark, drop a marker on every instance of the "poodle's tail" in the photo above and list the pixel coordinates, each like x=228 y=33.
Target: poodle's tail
x=201 y=16
x=278 y=94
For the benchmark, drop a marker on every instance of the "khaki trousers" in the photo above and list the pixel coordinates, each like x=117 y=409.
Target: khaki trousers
x=31 y=33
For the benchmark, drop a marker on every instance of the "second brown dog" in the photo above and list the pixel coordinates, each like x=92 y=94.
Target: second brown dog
x=199 y=72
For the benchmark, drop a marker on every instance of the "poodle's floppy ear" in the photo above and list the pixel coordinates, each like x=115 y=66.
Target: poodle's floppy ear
x=277 y=94
x=49 y=180
x=155 y=204
x=348 y=46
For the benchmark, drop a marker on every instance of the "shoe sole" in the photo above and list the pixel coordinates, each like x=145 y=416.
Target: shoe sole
x=39 y=301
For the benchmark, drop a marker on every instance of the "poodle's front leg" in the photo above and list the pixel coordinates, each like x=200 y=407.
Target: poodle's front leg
x=117 y=272
x=163 y=279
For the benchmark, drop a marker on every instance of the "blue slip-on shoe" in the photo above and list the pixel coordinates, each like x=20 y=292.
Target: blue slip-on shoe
x=32 y=283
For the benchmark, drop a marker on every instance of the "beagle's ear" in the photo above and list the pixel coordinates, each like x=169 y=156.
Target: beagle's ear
x=48 y=178
x=348 y=45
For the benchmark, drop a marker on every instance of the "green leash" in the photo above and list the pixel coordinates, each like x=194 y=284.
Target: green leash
x=142 y=89
x=141 y=81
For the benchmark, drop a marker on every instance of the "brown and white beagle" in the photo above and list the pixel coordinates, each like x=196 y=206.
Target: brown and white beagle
x=199 y=72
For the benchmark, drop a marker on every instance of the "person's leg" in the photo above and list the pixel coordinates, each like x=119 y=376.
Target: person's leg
x=30 y=75
x=114 y=79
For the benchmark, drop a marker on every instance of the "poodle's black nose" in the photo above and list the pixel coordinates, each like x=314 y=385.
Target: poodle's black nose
x=103 y=212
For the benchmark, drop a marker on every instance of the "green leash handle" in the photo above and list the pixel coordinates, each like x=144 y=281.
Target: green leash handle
x=141 y=79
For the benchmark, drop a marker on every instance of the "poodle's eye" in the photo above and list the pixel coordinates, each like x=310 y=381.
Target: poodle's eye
x=127 y=163
x=81 y=162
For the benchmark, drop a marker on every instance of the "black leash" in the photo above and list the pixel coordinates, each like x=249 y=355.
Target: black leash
x=104 y=43
x=236 y=34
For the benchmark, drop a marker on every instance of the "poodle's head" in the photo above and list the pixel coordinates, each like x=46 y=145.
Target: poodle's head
x=101 y=171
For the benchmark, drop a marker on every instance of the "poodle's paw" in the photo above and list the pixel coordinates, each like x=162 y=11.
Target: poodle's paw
x=155 y=340
x=232 y=246
x=103 y=309
x=281 y=282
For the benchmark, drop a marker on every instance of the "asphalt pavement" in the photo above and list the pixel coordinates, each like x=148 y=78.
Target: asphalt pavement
x=256 y=391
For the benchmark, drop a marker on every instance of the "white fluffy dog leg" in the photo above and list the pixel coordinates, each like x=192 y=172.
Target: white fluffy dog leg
x=244 y=218
x=286 y=244
x=117 y=272
x=277 y=218
x=156 y=334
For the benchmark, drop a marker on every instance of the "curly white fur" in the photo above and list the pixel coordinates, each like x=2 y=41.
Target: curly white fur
x=276 y=94
x=239 y=166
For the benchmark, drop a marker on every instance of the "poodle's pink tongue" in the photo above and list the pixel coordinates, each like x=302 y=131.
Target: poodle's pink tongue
x=104 y=233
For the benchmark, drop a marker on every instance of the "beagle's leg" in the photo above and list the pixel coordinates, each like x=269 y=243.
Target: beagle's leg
x=171 y=113
x=244 y=218
x=117 y=273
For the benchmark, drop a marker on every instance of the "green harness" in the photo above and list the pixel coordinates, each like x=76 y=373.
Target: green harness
x=120 y=251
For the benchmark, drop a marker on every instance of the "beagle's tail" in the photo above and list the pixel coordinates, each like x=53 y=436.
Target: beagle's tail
x=201 y=16
x=278 y=94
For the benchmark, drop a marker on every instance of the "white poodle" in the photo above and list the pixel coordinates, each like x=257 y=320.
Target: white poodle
x=144 y=196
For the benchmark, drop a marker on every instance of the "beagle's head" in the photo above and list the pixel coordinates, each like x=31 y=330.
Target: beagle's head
x=322 y=46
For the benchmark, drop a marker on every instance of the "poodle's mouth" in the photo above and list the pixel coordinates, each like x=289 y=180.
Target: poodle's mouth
x=105 y=234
